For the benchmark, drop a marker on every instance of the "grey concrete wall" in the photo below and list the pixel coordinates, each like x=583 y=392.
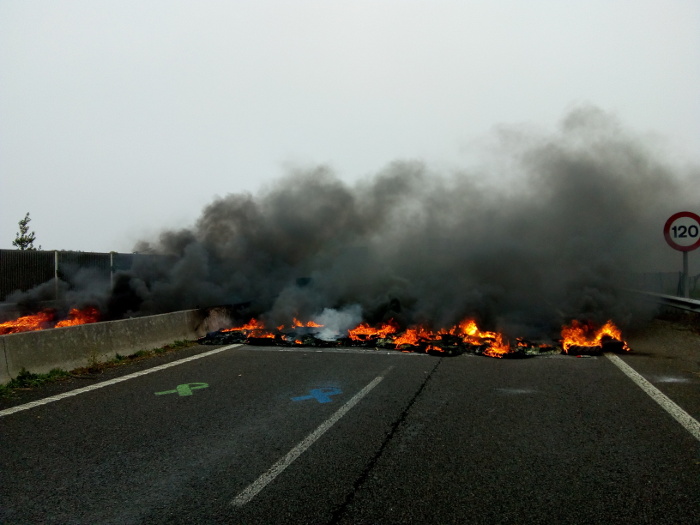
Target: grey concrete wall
x=76 y=346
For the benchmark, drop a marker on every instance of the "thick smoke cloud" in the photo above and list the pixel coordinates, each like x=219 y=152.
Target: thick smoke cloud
x=554 y=236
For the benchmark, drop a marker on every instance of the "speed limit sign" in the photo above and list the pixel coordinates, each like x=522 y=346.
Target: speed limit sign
x=682 y=231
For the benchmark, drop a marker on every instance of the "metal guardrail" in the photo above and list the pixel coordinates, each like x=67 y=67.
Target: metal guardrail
x=683 y=303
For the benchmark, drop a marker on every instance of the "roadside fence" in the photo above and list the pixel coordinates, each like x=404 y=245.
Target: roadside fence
x=22 y=270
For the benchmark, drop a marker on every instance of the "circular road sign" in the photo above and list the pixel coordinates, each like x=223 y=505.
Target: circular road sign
x=682 y=231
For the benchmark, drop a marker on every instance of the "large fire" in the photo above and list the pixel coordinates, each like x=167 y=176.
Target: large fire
x=465 y=336
x=576 y=338
x=48 y=319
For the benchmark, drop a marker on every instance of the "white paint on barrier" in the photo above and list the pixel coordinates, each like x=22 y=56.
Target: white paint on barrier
x=110 y=382
x=680 y=415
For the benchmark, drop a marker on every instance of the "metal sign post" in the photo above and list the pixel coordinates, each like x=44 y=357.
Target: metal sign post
x=682 y=232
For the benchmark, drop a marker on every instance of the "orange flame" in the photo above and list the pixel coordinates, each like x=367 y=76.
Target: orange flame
x=496 y=343
x=584 y=335
x=263 y=335
x=87 y=315
x=467 y=330
x=296 y=323
x=414 y=336
x=498 y=346
x=28 y=323
x=46 y=319
x=256 y=328
x=253 y=328
x=251 y=325
x=364 y=331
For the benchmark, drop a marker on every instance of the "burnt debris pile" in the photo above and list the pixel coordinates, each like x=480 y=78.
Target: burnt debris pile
x=578 y=338
x=444 y=345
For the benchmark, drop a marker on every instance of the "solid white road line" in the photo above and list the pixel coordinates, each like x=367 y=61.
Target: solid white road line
x=680 y=415
x=114 y=381
x=252 y=490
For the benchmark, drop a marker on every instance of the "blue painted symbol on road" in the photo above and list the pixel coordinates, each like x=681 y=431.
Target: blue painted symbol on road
x=322 y=395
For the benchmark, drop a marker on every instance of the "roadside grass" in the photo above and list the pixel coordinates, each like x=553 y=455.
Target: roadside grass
x=26 y=380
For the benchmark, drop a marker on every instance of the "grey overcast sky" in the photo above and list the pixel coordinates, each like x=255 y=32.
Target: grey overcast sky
x=119 y=118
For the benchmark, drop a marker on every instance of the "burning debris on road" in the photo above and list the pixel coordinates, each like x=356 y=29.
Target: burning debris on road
x=581 y=338
x=577 y=339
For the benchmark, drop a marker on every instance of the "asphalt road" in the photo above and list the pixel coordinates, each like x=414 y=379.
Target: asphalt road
x=268 y=435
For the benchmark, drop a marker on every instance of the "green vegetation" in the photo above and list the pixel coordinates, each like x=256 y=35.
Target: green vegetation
x=24 y=240
x=26 y=380
x=96 y=367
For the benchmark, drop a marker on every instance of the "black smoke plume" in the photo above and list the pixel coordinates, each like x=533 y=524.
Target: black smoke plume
x=550 y=231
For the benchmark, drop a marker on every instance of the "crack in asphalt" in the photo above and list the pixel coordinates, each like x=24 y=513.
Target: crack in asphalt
x=340 y=509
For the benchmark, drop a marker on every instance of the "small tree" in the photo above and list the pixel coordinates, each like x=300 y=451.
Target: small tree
x=25 y=240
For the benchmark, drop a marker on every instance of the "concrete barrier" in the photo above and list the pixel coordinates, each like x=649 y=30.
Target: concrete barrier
x=76 y=346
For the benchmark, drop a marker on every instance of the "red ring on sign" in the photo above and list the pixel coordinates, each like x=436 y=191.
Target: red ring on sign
x=667 y=231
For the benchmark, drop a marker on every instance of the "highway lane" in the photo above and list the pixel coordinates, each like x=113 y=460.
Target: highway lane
x=124 y=454
x=542 y=441
x=434 y=440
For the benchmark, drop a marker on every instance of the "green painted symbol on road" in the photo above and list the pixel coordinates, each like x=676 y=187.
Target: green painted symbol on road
x=184 y=390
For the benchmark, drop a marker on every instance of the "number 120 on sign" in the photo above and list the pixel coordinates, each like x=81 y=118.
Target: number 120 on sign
x=682 y=231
